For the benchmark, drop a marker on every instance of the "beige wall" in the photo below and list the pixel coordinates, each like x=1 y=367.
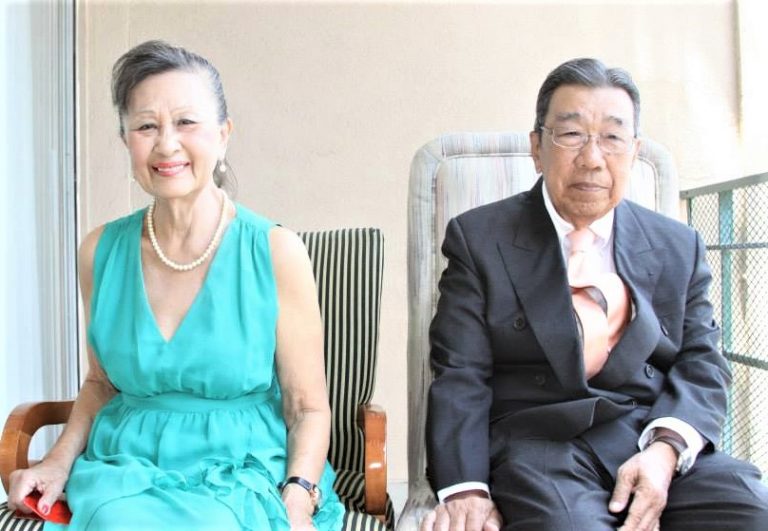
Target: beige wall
x=331 y=100
x=753 y=51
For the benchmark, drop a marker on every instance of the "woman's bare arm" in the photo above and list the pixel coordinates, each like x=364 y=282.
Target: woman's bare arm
x=49 y=476
x=300 y=367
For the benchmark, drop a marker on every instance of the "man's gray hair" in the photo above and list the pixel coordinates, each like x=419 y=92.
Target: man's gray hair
x=586 y=72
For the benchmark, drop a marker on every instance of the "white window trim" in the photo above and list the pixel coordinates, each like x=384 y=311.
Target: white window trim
x=43 y=34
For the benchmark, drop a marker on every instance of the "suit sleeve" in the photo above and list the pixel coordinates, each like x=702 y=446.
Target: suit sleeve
x=698 y=379
x=460 y=395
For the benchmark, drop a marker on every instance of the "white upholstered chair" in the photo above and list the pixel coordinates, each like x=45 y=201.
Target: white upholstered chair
x=449 y=175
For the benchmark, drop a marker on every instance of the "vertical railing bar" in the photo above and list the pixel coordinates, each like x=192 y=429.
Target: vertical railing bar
x=725 y=237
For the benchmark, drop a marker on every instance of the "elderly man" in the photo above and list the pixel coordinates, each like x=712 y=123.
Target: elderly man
x=578 y=385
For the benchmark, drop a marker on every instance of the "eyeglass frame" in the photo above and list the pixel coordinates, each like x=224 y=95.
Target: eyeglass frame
x=586 y=138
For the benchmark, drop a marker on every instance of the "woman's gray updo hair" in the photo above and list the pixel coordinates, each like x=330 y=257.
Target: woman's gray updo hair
x=157 y=57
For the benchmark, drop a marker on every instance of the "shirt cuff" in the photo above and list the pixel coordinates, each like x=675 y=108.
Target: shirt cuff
x=693 y=439
x=442 y=494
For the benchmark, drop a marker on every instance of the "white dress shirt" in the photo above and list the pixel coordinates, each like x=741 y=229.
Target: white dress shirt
x=603 y=248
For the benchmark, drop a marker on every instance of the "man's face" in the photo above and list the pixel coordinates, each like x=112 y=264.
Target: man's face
x=585 y=183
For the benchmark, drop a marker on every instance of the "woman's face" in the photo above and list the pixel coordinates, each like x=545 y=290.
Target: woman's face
x=173 y=134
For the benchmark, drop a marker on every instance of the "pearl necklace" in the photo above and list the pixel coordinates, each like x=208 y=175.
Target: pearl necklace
x=208 y=250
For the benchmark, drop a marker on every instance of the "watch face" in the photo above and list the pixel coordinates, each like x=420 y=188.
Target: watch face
x=315 y=494
x=684 y=462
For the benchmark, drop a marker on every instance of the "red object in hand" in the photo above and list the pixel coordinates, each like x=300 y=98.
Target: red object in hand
x=59 y=513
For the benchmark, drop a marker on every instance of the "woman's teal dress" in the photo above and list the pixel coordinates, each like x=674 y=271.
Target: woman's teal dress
x=195 y=438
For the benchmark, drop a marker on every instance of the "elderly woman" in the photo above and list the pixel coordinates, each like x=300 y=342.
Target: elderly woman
x=205 y=405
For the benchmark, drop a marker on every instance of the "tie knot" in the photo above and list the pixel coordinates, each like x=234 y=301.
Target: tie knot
x=581 y=240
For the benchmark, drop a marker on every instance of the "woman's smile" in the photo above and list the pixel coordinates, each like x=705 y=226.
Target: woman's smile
x=169 y=169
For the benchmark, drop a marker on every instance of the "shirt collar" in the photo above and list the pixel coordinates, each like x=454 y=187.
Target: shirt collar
x=602 y=227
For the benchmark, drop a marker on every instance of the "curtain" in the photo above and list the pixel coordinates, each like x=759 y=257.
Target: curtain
x=38 y=299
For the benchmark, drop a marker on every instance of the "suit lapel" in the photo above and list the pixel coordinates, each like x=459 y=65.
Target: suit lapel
x=534 y=262
x=639 y=267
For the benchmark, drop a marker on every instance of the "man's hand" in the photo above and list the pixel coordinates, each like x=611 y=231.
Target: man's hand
x=472 y=510
x=647 y=475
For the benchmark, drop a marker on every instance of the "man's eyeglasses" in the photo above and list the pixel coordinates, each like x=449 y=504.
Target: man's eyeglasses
x=610 y=142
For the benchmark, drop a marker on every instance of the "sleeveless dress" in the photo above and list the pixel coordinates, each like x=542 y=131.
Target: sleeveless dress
x=195 y=438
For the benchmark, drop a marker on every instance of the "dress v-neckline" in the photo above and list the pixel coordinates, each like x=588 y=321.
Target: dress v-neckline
x=148 y=306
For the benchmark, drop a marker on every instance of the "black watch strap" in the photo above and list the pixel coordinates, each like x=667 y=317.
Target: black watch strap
x=311 y=488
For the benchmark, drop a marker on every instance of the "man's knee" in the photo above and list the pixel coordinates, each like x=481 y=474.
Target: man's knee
x=755 y=516
x=750 y=517
x=560 y=519
x=722 y=493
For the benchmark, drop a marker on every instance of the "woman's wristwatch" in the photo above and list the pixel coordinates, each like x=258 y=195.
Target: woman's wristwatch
x=311 y=488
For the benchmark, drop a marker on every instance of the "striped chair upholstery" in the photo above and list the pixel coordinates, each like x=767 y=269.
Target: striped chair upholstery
x=348 y=267
x=449 y=175
x=8 y=522
x=359 y=521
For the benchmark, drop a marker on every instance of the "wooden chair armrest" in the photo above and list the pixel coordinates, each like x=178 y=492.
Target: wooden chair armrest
x=21 y=425
x=373 y=421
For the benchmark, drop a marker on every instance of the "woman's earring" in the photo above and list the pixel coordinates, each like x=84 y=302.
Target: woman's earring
x=222 y=166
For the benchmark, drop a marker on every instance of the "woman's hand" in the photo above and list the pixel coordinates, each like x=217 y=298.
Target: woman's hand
x=299 y=507
x=47 y=477
x=301 y=522
x=50 y=475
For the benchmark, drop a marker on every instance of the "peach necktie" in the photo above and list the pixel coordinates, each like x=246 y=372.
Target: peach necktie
x=600 y=300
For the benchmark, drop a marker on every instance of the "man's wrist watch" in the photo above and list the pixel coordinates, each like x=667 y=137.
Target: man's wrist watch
x=684 y=457
x=313 y=490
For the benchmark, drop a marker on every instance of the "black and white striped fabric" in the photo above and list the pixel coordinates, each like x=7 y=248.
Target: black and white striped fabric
x=8 y=522
x=348 y=264
x=348 y=267
x=362 y=522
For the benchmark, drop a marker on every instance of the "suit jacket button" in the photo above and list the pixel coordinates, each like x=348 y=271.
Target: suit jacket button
x=540 y=379
x=519 y=323
x=649 y=371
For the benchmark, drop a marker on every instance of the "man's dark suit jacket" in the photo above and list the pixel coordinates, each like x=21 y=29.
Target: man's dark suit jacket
x=506 y=352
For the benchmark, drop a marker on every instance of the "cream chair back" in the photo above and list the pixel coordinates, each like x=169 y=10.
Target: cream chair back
x=450 y=175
